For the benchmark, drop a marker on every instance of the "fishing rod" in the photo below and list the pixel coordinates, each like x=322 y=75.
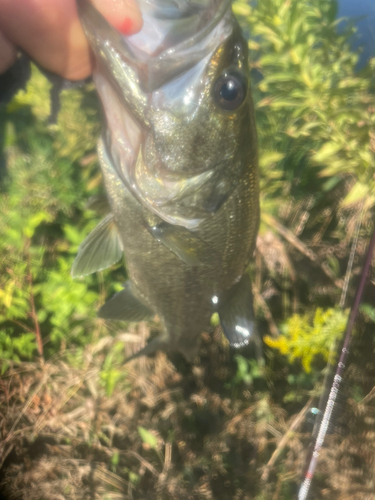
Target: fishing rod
x=331 y=402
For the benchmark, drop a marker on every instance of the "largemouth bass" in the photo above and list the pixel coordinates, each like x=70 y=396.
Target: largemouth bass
x=179 y=160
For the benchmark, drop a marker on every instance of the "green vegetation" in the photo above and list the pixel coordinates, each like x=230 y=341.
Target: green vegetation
x=315 y=116
x=50 y=175
x=162 y=428
x=301 y=340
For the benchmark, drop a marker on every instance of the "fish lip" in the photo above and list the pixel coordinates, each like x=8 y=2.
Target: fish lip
x=164 y=64
x=162 y=12
x=191 y=41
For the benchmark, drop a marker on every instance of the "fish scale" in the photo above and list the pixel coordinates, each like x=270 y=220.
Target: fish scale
x=152 y=268
x=180 y=172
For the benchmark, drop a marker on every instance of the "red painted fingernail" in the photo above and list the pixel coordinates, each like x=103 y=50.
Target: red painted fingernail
x=126 y=27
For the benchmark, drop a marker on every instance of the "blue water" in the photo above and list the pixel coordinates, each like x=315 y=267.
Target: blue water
x=362 y=13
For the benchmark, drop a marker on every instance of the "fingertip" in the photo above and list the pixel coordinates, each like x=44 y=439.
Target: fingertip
x=126 y=26
x=124 y=15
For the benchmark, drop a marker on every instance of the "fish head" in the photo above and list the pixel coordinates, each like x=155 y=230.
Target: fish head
x=202 y=129
x=177 y=100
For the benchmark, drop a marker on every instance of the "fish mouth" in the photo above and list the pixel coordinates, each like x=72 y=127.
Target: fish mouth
x=178 y=50
x=159 y=52
x=174 y=9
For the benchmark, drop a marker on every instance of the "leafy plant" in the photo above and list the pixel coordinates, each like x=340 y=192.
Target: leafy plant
x=148 y=438
x=306 y=337
x=13 y=349
x=43 y=218
x=315 y=115
x=247 y=370
x=150 y=441
x=369 y=311
x=111 y=372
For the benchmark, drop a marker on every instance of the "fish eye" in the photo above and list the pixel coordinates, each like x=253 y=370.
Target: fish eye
x=230 y=90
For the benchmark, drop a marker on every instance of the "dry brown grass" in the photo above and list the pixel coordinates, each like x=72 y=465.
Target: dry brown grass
x=63 y=437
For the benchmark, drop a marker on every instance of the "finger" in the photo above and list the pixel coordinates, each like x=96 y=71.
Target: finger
x=124 y=15
x=51 y=33
x=8 y=53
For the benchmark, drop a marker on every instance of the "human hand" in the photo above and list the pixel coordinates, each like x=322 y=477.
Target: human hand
x=50 y=32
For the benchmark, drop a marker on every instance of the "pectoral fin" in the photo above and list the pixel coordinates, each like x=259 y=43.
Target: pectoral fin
x=101 y=249
x=124 y=306
x=237 y=315
x=186 y=245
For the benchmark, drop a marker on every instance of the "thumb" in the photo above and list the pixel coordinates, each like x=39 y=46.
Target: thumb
x=51 y=33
